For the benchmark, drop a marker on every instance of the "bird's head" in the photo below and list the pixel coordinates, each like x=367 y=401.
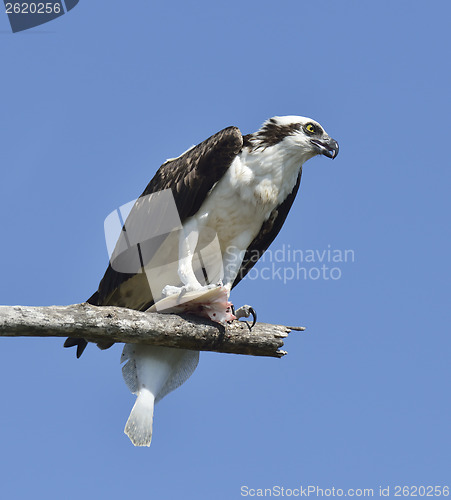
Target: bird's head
x=302 y=136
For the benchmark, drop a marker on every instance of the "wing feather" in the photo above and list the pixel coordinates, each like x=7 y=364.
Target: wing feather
x=190 y=177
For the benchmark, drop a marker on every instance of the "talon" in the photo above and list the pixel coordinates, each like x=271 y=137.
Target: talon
x=245 y=312
x=254 y=317
x=182 y=293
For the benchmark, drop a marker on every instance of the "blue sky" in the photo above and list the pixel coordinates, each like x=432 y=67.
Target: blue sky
x=93 y=103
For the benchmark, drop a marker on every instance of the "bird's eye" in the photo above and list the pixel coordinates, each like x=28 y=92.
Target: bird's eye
x=310 y=128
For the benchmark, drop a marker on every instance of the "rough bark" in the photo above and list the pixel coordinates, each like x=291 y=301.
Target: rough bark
x=117 y=324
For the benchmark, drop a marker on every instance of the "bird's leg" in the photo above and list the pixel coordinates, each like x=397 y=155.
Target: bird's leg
x=232 y=261
x=187 y=246
x=189 y=237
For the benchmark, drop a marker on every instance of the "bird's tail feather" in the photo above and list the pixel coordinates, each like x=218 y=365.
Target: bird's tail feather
x=151 y=372
x=139 y=424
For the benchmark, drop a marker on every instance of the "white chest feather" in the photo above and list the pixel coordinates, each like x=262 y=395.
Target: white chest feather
x=244 y=198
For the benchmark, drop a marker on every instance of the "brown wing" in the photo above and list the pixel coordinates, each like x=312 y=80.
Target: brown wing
x=268 y=232
x=190 y=177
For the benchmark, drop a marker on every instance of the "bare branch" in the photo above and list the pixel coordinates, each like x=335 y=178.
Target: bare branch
x=117 y=324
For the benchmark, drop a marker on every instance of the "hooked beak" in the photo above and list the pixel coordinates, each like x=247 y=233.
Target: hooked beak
x=327 y=147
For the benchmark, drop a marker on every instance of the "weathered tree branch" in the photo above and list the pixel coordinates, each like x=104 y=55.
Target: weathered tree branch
x=118 y=324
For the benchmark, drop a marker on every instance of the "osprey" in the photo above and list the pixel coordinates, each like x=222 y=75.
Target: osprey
x=232 y=194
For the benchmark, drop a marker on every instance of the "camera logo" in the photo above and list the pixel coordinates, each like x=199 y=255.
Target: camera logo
x=26 y=14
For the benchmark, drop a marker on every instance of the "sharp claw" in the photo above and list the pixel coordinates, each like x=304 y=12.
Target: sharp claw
x=245 y=312
x=254 y=317
x=182 y=293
